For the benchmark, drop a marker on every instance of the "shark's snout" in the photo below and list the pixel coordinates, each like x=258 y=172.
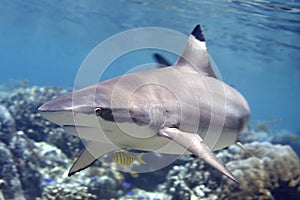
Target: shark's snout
x=62 y=103
x=62 y=110
x=58 y=110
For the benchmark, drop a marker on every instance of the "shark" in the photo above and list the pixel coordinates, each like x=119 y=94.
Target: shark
x=184 y=108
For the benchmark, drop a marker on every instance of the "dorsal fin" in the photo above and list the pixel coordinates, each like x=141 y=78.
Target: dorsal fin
x=161 y=60
x=195 y=54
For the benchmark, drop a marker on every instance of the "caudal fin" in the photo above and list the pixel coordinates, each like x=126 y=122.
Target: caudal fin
x=139 y=158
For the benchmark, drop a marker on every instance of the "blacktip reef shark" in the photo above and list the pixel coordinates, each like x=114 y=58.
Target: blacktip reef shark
x=183 y=108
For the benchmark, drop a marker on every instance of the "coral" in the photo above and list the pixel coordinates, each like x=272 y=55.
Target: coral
x=69 y=144
x=103 y=186
x=36 y=154
x=250 y=135
x=7 y=125
x=266 y=172
x=142 y=194
x=93 y=183
x=53 y=165
x=10 y=184
x=22 y=104
x=192 y=180
x=67 y=192
x=27 y=161
x=283 y=137
x=19 y=160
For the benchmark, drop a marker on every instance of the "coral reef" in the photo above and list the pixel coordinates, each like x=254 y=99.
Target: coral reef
x=193 y=180
x=27 y=160
x=266 y=172
x=7 y=125
x=67 y=192
x=284 y=137
x=35 y=154
x=142 y=194
x=10 y=184
x=22 y=104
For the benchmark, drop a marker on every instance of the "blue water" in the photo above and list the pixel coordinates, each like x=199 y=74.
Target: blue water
x=255 y=43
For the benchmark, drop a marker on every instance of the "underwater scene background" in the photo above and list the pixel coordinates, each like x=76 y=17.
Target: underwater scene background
x=255 y=45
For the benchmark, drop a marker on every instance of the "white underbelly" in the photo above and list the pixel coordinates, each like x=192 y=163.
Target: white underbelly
x=133 y=136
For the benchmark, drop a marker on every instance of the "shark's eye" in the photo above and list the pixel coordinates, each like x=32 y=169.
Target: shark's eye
x=104 y=113
x=98 y=111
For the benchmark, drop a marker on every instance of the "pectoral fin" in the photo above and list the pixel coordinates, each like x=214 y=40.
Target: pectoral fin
x=92 y=152
x=194 y=143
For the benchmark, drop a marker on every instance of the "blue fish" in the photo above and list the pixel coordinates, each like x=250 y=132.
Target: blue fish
x=48 y=180
x=93 y=179
x=126 y=184
x=130 y=193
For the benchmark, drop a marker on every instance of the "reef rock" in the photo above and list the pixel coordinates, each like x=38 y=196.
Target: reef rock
x=69 y=192
x=265 y=172
x=7 y=125
x=27 y=161
x=20 y=113
x=142 y=194
x=23 y=103
x=283 y=137
x=10 y=185
x=192 y=180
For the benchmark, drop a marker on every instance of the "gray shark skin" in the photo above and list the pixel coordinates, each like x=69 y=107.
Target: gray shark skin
x=179 y=109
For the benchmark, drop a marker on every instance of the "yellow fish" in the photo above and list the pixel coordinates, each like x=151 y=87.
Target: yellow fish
x=262 y=127
x=293 y=137
x=125 y=159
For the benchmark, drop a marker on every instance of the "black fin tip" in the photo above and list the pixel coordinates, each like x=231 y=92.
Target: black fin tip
x=197 y=32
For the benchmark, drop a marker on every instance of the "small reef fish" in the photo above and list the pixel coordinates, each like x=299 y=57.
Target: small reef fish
x=48 y=180
x=262 y=127
x=94 y=179
x=126 y=184
x=293 y=137
x=125 y=159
